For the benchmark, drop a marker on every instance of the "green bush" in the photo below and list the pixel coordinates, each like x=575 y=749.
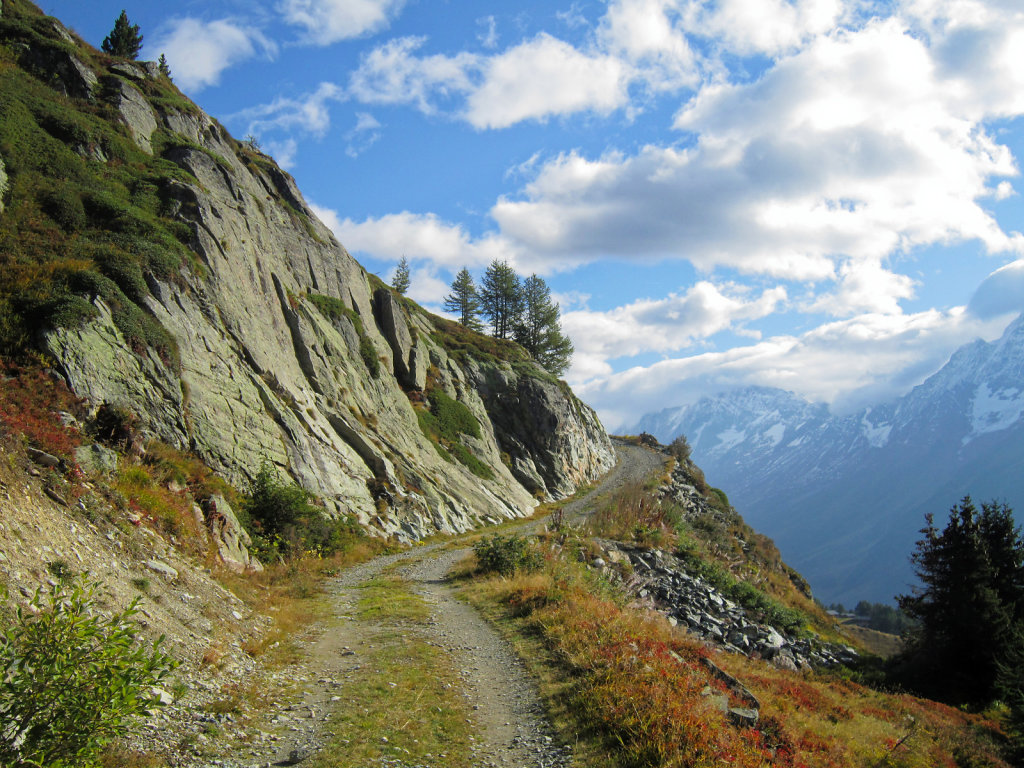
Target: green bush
x=452 y=417
x=471 y=462
x=369 y=354
x=72 y=679
x=506 y=555
x=284 y=522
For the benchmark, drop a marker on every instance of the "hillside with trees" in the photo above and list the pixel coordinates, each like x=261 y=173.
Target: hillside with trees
x=516 y=309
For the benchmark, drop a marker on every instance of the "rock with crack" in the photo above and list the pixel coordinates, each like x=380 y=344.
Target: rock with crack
x=230 y=537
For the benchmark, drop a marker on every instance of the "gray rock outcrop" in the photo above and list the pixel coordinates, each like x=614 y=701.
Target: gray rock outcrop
x=229 y=536
x=136 y=113
x=690 y=601
x=96 y=459
x=74 y=78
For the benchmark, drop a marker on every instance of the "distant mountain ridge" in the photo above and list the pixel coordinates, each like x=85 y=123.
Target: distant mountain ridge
x=845 y=496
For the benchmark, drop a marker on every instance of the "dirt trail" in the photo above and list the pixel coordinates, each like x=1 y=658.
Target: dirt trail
x=511 y=730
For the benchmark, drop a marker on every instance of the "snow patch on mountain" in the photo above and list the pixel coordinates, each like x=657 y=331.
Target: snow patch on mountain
x=992 y=411
x=877 y=435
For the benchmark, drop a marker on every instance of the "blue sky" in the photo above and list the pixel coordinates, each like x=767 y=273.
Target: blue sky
x=820 y=195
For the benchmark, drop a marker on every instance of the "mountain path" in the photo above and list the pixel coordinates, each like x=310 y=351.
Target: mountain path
x=510 y=729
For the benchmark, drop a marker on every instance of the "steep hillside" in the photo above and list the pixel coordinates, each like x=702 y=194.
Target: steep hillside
x=176 y=278
x=845 y=497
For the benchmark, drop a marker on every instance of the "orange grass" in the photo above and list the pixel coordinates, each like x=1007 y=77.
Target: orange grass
x=638 y=685
x=30 y=400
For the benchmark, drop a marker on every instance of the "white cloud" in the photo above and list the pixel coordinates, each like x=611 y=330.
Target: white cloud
x=662 y=325
x=329 y=21
x=646 y=34
x=1000 y=293
x=308 y=113
x=545 y=77
x=363 y=135
x=283 y=152
x=488 y=36
x=419 y=237
x=847 y=363
x=392 y=74
x=199 y=51
x=840 y=155
x=329 y=217
x=761 y=26
x=865 y=286
x=572 y=17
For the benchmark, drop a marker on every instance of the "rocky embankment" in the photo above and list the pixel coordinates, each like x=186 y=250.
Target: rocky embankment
x=692 y=602
x=689 y=600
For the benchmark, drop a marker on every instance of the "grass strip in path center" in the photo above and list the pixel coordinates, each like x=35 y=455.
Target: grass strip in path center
x=403 y=701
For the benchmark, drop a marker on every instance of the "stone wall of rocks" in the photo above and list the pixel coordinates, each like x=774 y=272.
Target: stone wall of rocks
x=690 y=601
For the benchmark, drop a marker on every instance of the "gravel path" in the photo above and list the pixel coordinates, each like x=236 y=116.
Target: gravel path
x=512 y=731
x=635 y=465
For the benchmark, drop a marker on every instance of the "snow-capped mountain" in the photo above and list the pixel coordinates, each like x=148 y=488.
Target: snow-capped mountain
x=845 y=497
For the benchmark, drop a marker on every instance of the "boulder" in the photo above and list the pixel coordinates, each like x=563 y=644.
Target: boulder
x=744 y=717
x=229 y=536
x=784 y=660
x=162 y=568
x=73 y=77
x=43 y=458
x=96 y=459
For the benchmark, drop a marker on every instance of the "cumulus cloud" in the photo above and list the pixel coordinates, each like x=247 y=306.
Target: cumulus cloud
x=328 y=216
x=865 y=286
x=545 y=77
x=392 y=74
x=761 y=26
x=417 y=236
x=647 y=34
x=199 y=51
x=1000 y=293
x=847 y=363
x=866 y=137
x=839 y=156
x=329 y=21
x=662 y=325
x=308 y=113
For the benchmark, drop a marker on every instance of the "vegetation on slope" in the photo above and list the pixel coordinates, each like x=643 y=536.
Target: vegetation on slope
x=630 y=690
x=87 y=212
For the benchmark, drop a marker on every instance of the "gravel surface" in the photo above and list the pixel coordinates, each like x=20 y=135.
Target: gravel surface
x=511 y=730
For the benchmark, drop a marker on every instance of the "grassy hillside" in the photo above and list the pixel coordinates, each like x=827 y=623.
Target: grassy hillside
x=629 y=689
x=87 y=212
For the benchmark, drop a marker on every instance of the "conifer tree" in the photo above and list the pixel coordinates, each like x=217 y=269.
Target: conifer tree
x=538 y=328
x=969 y=609
x=401 y=280
x=501 y=298
x=124 y=40
x=464 y=300
x=163 y=67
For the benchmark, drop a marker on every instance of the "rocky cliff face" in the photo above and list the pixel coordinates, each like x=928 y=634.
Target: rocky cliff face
x=286 y=351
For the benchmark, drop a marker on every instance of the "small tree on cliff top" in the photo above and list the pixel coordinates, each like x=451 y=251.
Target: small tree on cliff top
x=124 y=40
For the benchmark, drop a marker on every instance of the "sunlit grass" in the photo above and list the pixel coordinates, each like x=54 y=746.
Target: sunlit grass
x=631 y=690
